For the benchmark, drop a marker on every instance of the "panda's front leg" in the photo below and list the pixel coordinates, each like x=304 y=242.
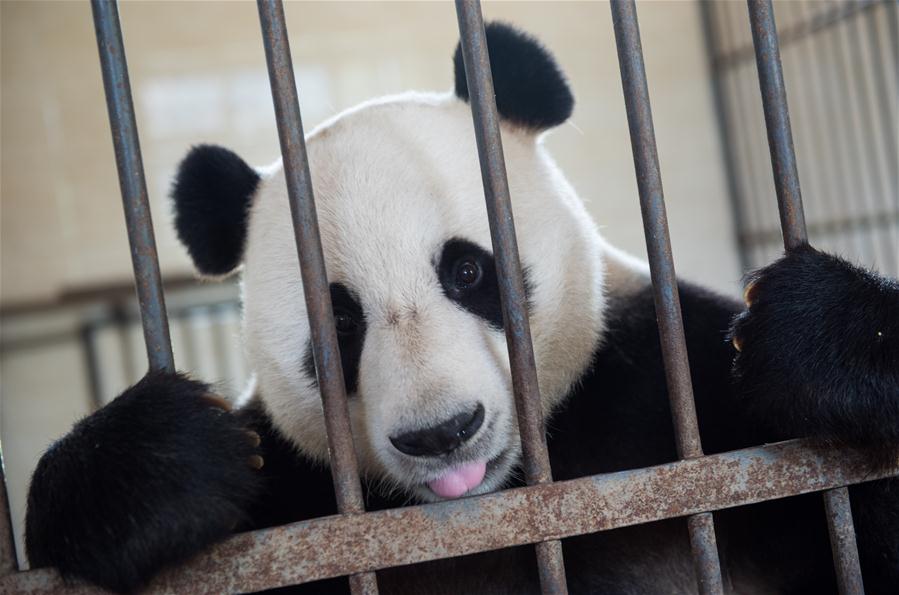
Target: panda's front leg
x=818 y=355
x=818 y=352
x=144 y=482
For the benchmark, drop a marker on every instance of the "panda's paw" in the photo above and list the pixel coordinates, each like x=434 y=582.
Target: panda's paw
x=817 y=350
x=146 y=481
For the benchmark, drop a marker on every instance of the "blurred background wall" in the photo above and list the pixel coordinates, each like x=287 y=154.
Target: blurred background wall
x=69 y=336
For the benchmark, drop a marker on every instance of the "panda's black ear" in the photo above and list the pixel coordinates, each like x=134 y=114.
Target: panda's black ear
x=531 y=90
x=212 y=193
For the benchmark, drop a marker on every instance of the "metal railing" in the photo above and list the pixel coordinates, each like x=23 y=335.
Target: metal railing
x=355 y=543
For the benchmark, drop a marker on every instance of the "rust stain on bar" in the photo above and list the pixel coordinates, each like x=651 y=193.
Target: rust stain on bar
x=325 y=349
x=508 y=268
x=133 y=185
x=664 y=281
x=339 y=545
x=792 y=222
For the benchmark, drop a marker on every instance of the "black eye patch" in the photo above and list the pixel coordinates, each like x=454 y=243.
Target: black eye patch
x=467 y=274
x=351 y=326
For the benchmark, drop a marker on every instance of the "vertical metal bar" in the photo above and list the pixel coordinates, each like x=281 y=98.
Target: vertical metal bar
x=8 y=562
x=664 y=282
x=842 y=540
x=508 y=267
x=786 y=181
x=777 y=121
x=133 y=185
x=325 y=350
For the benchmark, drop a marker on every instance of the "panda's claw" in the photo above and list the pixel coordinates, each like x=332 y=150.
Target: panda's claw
x=737 y=343
x=749 y=292
x=256 y=462
x=216 y=401
x=253 y=438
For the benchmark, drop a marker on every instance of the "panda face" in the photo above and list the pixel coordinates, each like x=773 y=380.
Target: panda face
x=407 y=248
x=408 y=253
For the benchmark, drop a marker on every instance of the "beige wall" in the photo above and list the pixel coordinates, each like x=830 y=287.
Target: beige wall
x=198 y=74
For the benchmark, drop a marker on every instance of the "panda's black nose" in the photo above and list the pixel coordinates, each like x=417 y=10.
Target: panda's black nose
x=440 y=439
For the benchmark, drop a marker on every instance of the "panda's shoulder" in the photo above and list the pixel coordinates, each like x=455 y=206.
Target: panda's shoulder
x=632 y=325
x=617 y=416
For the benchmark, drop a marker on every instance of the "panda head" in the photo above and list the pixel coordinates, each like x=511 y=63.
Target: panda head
x=408 y=254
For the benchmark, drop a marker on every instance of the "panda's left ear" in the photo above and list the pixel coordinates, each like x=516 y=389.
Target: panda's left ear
x=531 y=90
x=211 y=195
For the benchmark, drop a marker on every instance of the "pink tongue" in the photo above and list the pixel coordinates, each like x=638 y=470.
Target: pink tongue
x=456 y=482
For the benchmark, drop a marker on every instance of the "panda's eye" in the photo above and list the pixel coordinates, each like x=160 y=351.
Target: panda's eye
x=467 y=274
x=345 y=323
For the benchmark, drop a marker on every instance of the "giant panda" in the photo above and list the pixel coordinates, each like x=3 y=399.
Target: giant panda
x=166 y=469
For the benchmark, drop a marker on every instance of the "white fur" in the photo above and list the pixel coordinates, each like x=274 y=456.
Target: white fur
x=394 y=179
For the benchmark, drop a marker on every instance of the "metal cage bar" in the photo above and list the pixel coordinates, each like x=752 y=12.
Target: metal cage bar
x=344 y=544
x=133 y=185
x=8 y=562
x=535 y=455
x=325 y=350
x=789 y=200
x=356 y=543
x=664 y=282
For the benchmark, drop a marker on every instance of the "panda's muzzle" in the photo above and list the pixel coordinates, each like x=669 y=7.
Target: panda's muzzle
x=442 y=438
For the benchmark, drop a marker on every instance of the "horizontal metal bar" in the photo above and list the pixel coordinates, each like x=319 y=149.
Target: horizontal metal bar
x=133 y=184
x=339 y=545
x=325 y=350
x=664 y=279
x=535 y=455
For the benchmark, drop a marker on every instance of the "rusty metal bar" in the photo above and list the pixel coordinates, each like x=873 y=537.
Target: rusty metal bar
x=777 y=122
x=339 y=545
x=8 y=561
x=842 y=541
x=325 y=350
x=789 y=200
x=133 y=185
x=664 y=281
x=535 y=456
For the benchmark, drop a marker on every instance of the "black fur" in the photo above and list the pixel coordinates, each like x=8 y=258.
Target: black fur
x=344 y=303
x=211 y=194
x=146 y=481
x=616 y=418
x=481 y=299
x=531 y=90
x=821 y=351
